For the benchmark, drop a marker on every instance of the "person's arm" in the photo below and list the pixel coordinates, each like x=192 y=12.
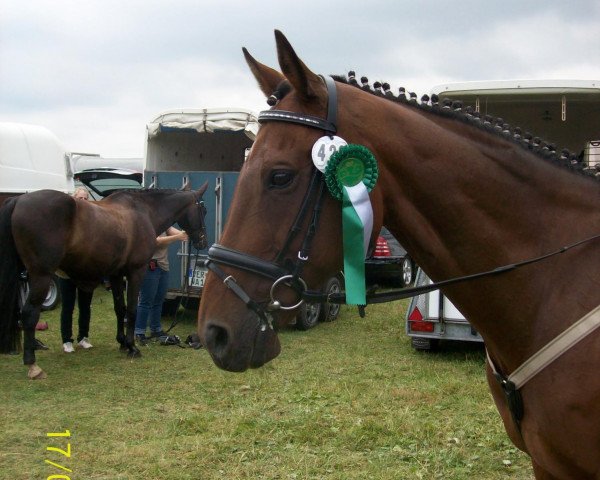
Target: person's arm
x=173 y=235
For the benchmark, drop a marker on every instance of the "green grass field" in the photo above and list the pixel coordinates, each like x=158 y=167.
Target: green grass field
x=346 y=400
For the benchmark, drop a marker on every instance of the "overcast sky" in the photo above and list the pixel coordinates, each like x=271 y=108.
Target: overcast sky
x=96 y=72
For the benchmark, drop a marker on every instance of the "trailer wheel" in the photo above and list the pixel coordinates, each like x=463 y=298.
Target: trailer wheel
x=330 y=311
x=308 y=315
x=52 y=297
x=407 y=271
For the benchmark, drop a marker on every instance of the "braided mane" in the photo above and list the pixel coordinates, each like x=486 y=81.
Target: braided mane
x=454 y=109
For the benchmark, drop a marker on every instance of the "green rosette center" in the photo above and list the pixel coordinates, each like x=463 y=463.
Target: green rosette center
x=348 y=166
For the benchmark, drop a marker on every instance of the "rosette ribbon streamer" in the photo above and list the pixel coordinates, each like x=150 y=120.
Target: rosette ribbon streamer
x=351 y=174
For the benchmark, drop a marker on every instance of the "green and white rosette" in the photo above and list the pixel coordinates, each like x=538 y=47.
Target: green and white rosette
x=350 y=174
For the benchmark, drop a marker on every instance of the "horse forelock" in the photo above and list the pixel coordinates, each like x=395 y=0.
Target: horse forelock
x=280 y=92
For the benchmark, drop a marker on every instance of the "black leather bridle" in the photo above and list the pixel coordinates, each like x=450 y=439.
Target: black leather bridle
x=282 y=270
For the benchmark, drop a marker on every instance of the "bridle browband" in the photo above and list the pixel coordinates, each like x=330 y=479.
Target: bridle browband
x=329 y=125
x=285 y=271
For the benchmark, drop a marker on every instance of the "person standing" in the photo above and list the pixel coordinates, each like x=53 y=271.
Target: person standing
x=154 y=286
x=70 y=293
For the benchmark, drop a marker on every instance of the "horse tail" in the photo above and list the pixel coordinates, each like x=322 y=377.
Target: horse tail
x=10 y=268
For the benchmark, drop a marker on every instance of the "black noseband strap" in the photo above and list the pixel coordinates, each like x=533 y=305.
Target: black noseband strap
x=234 y=258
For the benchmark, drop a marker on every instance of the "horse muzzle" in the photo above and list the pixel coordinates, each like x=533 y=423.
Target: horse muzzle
x=250 y=346
x=199 y=241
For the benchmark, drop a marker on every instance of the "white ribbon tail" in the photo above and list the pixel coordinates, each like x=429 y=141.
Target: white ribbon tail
x=359 y=196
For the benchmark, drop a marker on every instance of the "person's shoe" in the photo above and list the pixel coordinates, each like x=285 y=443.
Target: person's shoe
x=84 y=343
x=68 y=347
x=39 y=345
x=141 y=339
x=158 y=334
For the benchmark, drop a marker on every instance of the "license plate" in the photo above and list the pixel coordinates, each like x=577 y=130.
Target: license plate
x=198 y=276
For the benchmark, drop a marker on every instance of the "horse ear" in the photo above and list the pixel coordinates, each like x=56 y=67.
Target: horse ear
x=267 y=78
x=202 y=189
x=186 y=186
x=306 y=83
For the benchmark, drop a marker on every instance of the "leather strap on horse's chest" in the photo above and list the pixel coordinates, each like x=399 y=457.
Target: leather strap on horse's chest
x=512 y=383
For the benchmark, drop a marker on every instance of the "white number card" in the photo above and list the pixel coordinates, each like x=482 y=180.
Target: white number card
x=324 y=148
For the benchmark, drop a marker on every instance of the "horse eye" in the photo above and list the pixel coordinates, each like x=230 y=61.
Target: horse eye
x=280 y=178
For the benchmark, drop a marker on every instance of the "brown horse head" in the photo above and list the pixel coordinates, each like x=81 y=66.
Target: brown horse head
x=271 y=190
x=192 y=218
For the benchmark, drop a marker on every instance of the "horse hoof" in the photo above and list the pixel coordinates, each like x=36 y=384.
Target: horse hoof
x=134 y=354
x=36 y=373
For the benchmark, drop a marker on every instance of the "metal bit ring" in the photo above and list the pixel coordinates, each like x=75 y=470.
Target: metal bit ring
x=283 y=279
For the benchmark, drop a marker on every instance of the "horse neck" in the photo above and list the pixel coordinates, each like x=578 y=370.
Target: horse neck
x=164 y=208
x=462 y=200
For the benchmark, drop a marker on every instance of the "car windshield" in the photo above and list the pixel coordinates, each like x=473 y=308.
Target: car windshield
x=103 y=183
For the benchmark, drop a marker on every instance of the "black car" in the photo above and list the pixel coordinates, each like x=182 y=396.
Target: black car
x=389 y=264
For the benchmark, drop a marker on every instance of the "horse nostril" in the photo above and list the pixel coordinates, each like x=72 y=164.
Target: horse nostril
x=217 y=339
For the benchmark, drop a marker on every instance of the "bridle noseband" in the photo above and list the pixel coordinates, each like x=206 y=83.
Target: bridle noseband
x=281 y=270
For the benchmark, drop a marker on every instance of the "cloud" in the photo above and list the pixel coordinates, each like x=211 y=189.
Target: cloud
x=96 y=72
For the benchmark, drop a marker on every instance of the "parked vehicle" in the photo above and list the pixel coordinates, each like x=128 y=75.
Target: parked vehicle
x=197 y=146
x=563 y=112
x=33 y=158
x=431 y=317
x=103 y=181
x=389 y=264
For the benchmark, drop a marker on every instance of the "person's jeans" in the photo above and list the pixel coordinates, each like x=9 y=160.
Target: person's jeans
x=152 y=295
x=69 y=294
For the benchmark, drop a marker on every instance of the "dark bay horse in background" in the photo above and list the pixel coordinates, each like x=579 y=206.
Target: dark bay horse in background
x=462 y=198
x=46 y=231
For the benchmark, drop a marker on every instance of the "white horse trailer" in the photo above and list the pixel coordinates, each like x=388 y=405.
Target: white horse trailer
x=33 y=158
x=564 y=112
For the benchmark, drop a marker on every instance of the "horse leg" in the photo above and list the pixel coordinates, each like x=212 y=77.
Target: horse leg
x=30 y=315
x=134 y=280
x=117 y=286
